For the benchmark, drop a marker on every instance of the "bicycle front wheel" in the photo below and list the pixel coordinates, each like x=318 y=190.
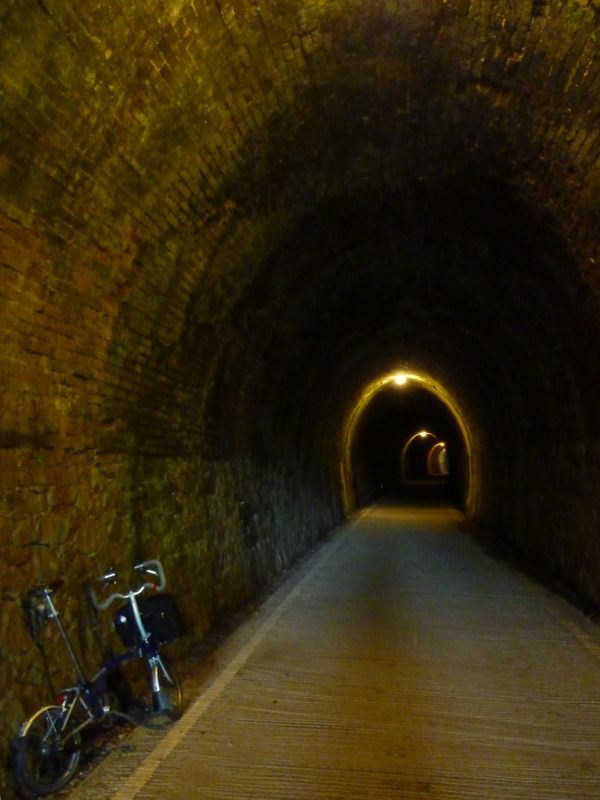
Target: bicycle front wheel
x=166 y=704
x=47 y=751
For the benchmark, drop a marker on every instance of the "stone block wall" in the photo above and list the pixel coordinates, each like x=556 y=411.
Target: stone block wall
x=221 y=529
x=548 y=515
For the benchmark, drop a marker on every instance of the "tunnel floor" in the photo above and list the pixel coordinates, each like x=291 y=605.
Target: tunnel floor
x=399 y=660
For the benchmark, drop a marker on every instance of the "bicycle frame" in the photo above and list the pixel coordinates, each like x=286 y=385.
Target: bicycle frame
x=146 y=650
x=53 y=614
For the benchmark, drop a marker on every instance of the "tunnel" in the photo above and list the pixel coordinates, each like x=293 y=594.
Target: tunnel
x=226 y=226
x=408 y=446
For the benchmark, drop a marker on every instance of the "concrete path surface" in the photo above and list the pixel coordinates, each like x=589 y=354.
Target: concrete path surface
x=399 y=661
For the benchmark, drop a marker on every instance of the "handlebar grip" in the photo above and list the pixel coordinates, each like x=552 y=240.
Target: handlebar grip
x=153 y=567
x=109 y=577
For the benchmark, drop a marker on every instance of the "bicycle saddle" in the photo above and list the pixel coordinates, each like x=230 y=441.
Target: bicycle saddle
x=42 y=590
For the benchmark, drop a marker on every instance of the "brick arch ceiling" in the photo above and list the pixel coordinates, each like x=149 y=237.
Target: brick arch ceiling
x=204 y=201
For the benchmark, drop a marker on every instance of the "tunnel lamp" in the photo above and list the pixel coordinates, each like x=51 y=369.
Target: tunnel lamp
x=400 y=379
x=424 y=434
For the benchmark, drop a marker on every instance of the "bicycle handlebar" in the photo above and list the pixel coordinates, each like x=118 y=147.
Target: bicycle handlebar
x=152 y=567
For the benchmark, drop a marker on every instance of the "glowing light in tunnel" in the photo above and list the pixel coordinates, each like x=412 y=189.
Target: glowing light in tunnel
x=360 y=404
x=399 y=378
x=423 y=434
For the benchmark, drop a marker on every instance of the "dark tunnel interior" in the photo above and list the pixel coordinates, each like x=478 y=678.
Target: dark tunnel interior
x=396 y=439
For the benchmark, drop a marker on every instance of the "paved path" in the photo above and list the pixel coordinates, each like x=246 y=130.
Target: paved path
x=400 y=661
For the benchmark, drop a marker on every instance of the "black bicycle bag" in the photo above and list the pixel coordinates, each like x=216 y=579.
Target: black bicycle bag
x=160 y=616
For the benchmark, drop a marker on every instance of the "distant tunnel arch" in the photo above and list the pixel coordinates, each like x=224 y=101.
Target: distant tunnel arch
x=423 y=458
x=380 y=428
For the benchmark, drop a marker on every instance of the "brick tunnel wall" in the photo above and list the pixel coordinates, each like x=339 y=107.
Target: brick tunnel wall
x=219 y=221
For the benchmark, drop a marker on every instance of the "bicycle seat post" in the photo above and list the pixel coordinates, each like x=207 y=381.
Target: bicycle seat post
x=65 y=637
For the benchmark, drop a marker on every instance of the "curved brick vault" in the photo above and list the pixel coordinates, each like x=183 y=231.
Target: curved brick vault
x=220 y=221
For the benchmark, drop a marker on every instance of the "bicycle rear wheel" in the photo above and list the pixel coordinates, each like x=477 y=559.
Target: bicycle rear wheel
x=47 y=751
